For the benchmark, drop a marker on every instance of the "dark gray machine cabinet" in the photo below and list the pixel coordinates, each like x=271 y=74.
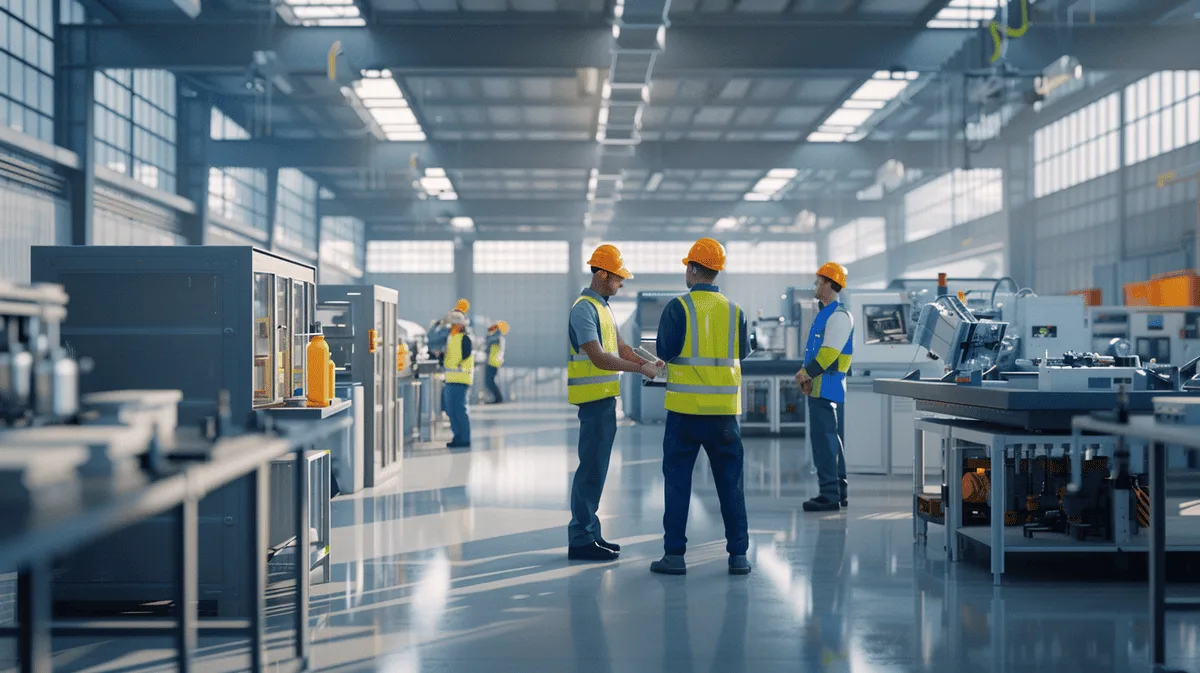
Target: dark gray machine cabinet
x=194 y=318
x=348 y=314
x=187 y=318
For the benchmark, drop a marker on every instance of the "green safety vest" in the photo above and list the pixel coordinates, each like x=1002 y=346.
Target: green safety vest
x=706 y=378
x=585 y=381
x=460 y=366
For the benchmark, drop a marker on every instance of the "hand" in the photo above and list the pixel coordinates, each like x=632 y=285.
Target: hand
x=807 y=388
x=802 y=378
x=660 y=364
x=649 y=371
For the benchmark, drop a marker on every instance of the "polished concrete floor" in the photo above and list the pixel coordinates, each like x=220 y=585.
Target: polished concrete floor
x=461 y=566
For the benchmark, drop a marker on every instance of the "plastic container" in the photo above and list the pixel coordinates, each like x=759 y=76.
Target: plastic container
x=320 y=370
x=1180 y=288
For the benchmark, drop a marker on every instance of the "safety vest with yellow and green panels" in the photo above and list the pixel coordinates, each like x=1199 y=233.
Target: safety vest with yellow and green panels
x=706 y=378
x=459 y=366
x=585 y=381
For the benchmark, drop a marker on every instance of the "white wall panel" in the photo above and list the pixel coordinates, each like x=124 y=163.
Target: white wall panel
x=535 y=307
x=27 y=218
x=423 y=297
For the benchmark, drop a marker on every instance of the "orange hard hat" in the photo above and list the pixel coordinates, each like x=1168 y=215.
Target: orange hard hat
x=462 y=306
x=833 y=271
x=608 y=258
x=502 y=326
x=708 y=253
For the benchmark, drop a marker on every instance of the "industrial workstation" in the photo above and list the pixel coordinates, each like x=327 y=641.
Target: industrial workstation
x=616 y=336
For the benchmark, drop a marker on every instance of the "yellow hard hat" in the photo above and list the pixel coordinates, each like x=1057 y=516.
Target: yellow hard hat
x=462 y=306
x=608 y=258
x=502 y=326
x=833 y=271
x=708 y=253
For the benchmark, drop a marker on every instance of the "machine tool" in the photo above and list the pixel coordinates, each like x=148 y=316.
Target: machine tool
x=1167 y=335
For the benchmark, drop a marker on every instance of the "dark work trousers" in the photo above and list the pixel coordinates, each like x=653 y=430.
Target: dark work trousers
x=597 y=431
x=454 y=402
x=827 y=433
x=721 y=439
x=489 y=381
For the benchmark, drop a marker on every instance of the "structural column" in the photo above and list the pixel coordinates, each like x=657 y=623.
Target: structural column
x=75 y=126
x=464 y=267
x=194 y=123
x=272 y=195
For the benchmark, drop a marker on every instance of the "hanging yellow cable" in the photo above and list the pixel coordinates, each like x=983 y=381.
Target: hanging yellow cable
x=1009 y=31
x=334 y=50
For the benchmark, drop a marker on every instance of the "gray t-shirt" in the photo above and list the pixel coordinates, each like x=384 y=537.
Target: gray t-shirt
x=585 y=322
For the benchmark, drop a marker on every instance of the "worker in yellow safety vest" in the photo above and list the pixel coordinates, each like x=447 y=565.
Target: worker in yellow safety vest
x=459 y=367
x=703 y=337
x=496 y=338
x=597 y=355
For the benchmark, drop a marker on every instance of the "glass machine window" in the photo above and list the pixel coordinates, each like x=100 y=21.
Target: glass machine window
x=299 y=338
x=264 y=333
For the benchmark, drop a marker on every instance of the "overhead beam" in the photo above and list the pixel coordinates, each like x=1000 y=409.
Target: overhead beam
x=786 y=46
x=572 y=210
x=574 y=155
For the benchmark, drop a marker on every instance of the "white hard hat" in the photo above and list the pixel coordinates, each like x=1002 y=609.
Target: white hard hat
x=456 y=318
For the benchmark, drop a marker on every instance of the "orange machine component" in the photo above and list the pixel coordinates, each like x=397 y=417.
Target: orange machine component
x=1092 y=296
x=371 y=340
x=320 y=372
x=1138 y=294
x=975 y=487
x=1178 y=288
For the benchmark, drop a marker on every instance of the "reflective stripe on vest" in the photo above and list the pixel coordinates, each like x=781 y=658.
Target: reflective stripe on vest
x=460 y=366
x=832 y=384
x=706 y=380
x=585 y=381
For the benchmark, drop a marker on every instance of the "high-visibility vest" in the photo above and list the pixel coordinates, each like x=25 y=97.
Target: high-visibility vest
x=832 y=384
x=496 y=353
x=585 y=381
x=460 y=366
x=706 y=378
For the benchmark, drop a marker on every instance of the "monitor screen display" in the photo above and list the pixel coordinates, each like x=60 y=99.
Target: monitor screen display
x=885 y=324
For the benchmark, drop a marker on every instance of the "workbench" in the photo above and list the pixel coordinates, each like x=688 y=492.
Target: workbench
x=1157 y=437
x=31 y=544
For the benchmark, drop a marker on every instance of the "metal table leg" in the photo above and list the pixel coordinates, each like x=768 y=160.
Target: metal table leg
x=256 y=570
x=1158 y=554
x=33 y=618
x=920 y=526
x=951 y=459
x=187 y=591
x=303 y=566
x=998 y=457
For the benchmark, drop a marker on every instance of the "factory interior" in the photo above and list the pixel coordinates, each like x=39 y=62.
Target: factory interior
x=384 y=336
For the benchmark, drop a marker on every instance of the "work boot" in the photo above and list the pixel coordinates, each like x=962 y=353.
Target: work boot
x=669 y=565
x=820 y=504
x=591 y=552
x=611 y=546
x=739 y=564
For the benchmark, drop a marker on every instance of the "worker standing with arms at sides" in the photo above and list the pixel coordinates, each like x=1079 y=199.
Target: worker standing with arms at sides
x=495 y=354
x=826 y=361
x=597 y=355
x=459 y=365
x=703 y=337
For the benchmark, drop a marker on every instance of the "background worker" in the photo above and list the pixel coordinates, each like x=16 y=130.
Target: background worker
x=597 y=355
x=826 y=361
x=439 y=331
x=495 y=359
x=703 y=337
x=459 y=366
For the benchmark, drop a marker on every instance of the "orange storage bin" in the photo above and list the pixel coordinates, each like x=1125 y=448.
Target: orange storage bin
x=1137 y=294
x=1093 y=296
x=1181 y=288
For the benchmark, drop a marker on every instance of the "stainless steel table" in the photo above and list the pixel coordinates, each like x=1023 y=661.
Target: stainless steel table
x=1158 y=437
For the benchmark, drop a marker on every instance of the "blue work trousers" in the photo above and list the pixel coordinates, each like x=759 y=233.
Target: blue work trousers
x=721 y=439
x=597 y=431
x=454 y=402
x=489 y=382
x=827 y=435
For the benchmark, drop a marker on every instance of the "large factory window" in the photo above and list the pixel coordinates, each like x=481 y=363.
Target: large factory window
x=858 y=239
x=236 y=194
x=643 y=257
x=135 y=125
x=27 y=64
x=1081 y=146
x=342 y=244
x=410 y=257
x=296 y=211
x=955 y=198
x=789 y=257
x=1162 y=114
x=521 y=257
